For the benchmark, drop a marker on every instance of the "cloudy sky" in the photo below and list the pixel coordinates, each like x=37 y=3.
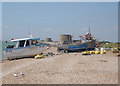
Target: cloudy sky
x=50 y=19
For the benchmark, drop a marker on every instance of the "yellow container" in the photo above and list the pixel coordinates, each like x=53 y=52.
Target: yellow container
x=115 y=51
x=103 y=52
x=92 y=52
x=39 y=56
x=115 y=48
x=97 y=52
x=86 y=52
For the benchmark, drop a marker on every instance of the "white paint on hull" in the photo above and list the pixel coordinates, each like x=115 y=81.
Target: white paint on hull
x=23 y=52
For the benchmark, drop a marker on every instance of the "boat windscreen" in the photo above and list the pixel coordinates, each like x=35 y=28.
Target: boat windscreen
x=21 y=43
x=27 y=43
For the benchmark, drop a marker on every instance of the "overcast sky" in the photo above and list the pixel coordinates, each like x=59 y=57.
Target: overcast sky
x=50 y=19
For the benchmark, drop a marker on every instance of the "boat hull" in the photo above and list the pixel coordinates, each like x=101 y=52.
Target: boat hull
x=23 y=52
x=77 y=47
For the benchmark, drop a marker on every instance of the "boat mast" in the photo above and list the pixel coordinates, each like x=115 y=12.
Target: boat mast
x=89 y=29
x=30 y=34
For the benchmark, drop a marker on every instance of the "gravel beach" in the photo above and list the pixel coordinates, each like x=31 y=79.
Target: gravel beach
x=70 y=68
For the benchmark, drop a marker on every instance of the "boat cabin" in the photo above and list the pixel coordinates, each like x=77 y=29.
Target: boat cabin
x=25 y=42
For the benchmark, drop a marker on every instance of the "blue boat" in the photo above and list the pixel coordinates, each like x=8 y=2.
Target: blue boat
x=78 y=47
x=88 y=45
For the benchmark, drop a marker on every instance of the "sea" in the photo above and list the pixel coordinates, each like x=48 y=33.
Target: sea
x=4 y=44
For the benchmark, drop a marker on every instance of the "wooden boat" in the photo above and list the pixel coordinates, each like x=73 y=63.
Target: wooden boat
x=24 y=47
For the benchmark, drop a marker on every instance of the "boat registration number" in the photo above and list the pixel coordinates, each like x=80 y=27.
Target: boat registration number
x=9 y=51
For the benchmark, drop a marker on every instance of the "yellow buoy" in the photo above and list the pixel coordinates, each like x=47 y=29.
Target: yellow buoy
x=97 y=52
x=39 y=56
x=86 y=52
x=104 y=51
x=92 y=52
x=115 y=51
x=101 y=52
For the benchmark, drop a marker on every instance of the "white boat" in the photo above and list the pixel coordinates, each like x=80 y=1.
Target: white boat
x=24 y=47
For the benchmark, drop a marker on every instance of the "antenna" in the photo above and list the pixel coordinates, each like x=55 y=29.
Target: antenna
x=29 y=34
x=89 y=29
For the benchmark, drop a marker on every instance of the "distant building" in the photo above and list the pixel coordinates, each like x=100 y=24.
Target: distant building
x=42 y=40
x=65 y=38
x=48 y=40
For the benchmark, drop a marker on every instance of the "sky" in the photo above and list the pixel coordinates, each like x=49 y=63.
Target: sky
x=0 y=20
x=50 y=19
x=119 y=23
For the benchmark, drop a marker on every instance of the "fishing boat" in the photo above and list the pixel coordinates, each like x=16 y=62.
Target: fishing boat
x=88 y=44
x=25 y=47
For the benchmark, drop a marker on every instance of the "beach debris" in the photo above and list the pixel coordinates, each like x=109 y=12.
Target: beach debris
x=102 y=60
x=22 y=74
x=75 y=54
x=15 y=75
x=18 y=74
x=1 y=61
x=115 y=50
x=118 y=55
x=41 y=53
x=50 y=53
x=86 y=54
x=46 y=55
x=56 y=54
x=39 y=56
x=48 y=47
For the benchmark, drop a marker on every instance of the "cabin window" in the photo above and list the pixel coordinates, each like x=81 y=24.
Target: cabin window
x=21 y=43
x=27 y=43
x=10 y=46
x=34 y=42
